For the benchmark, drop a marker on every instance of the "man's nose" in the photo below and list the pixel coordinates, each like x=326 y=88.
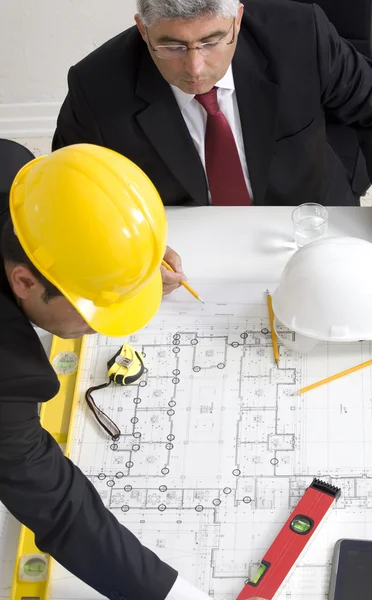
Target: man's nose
x=194 y=62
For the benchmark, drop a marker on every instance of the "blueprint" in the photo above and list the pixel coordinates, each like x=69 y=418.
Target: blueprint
x=215 y=451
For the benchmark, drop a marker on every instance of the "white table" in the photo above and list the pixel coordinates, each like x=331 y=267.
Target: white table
x=219 y=244
x=245 y=244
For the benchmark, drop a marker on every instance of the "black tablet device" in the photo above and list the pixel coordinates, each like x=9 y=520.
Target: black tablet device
x=351 y=575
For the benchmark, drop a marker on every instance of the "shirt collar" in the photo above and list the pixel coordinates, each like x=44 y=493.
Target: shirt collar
x=183 y=99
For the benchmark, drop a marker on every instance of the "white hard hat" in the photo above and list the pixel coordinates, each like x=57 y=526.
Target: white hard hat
x=325 y=293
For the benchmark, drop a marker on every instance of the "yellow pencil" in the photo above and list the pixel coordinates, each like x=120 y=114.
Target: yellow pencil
x=273 y=335
x=185 y=285
x=332 y=378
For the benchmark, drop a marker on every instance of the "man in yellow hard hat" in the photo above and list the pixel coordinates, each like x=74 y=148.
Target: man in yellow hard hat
x=80 y=254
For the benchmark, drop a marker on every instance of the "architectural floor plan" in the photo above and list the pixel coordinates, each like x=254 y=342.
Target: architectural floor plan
x=215 y=450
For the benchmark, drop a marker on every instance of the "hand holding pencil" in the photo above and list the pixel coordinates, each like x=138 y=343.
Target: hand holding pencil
x=173 y=277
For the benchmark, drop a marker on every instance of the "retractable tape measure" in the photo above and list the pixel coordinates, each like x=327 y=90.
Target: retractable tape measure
x=291 y=541
x=125 y=368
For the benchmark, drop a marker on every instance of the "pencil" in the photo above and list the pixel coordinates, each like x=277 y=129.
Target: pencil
x=273 y=335
x=185 y=285
x=332 y=378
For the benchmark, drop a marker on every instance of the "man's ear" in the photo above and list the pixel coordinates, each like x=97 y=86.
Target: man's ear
x=239 y=16
x=141 y=27
x=22 y=281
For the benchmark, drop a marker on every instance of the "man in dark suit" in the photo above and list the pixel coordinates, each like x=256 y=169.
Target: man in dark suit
x=289 y=68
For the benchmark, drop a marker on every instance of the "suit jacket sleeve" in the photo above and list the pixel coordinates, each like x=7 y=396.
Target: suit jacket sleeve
x=346 y=82
x=76 y=123
x=49 y=494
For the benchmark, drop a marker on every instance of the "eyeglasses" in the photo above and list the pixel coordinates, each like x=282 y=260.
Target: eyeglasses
x=180 y=51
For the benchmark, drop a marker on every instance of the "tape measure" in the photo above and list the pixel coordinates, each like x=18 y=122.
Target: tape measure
x=125 y=368
x=291 y=541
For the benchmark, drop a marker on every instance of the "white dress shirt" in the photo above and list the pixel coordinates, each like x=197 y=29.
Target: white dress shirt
x=196 y=118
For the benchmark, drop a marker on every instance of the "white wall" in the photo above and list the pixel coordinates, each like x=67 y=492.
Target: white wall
x=39 y=41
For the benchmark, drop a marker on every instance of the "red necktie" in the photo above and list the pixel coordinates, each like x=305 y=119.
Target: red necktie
x=224 y=170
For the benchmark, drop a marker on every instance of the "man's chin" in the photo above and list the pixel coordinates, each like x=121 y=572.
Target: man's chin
x=196 y=87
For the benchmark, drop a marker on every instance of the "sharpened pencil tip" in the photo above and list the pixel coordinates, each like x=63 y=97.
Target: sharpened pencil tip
x=277 y=362
x=200 y=300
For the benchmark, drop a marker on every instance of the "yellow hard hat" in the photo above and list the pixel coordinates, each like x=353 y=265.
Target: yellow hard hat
x=94 y=225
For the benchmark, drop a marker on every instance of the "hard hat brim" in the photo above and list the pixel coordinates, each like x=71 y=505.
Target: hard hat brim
x=126 y=317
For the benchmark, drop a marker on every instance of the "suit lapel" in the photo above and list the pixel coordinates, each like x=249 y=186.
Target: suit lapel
x=163 y=124
x=257 y=101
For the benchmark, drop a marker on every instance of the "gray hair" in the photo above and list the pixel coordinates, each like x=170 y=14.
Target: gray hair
x=153 y=11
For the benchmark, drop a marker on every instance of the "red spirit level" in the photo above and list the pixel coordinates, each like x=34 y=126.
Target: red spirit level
x=291 y=541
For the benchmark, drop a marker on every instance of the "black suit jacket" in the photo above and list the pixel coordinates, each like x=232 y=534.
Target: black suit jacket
x=290 y=68
x=46 y=491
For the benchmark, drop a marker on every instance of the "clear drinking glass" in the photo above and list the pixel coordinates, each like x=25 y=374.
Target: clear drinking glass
x=310 y=222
